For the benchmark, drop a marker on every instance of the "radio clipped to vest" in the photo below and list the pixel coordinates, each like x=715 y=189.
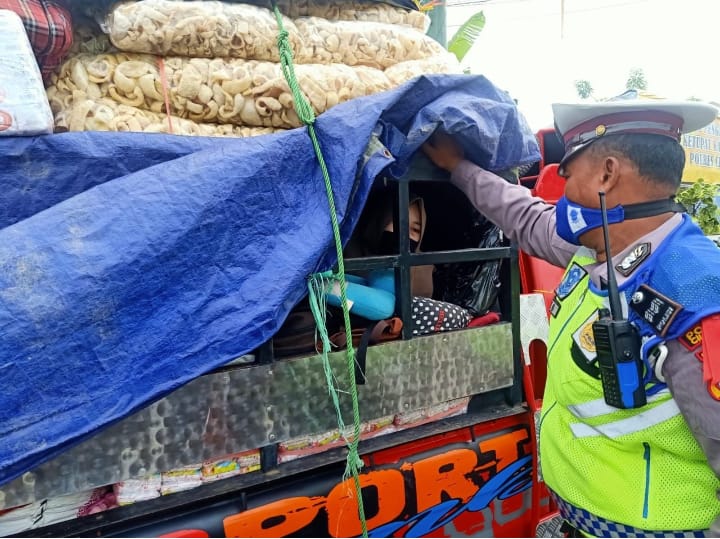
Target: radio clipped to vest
x=617 y=343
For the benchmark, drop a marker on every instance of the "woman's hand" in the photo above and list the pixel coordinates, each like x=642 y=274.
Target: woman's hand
x=443 y=151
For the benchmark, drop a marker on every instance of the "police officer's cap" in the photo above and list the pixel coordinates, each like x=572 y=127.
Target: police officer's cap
x=579 y=125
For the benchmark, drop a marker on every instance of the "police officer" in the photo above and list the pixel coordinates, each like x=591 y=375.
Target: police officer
x=653 y=470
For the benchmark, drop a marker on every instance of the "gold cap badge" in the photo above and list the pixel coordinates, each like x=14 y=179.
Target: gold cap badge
x=600 y=130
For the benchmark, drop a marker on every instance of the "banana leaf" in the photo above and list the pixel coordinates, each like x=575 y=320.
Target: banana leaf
x=465 y=37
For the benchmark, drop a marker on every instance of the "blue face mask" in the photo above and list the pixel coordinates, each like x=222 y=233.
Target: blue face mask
x=573 y=220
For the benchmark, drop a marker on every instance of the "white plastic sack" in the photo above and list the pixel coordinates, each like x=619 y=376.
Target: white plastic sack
x=24 y=109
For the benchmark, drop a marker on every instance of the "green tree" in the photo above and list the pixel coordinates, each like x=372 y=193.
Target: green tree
x=636 y=80
x=699 y=200
x=583 y=88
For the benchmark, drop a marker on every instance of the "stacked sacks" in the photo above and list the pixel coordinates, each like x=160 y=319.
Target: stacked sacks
x=107 y=115
x=222 y=90
x=401 y=12
x=198 y=29
x=354 y=10
x=217 y=29
x=222 y=77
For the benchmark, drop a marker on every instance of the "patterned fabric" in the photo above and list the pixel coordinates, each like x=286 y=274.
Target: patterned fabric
x=596 y=526
x=432 y=316
x=49 y=27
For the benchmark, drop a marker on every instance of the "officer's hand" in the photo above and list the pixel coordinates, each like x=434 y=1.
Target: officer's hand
x=443 y=151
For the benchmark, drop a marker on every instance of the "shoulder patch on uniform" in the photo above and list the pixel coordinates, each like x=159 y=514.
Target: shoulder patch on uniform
x=573 y=276
x=584 y=338
x=692 y=338
x=657 y=310
x=634 y=259
x=711 y=354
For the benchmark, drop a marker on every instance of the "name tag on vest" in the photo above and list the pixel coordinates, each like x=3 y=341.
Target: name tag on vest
x=657 y=310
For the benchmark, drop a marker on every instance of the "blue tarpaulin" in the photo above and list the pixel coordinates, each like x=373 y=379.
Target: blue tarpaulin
x=133 y=263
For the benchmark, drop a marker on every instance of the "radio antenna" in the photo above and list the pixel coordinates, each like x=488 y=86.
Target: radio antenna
x=613 y=292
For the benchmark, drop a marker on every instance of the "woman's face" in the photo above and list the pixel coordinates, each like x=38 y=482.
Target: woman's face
x=415 y=223
x=415 y=218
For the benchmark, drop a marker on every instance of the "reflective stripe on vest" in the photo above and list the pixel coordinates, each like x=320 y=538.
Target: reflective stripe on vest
x=599 y=407
x=643 y=420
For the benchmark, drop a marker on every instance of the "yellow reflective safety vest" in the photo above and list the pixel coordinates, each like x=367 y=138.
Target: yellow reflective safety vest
x=615 y=472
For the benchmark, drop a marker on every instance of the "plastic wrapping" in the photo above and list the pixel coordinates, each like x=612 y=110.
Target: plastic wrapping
x=24 y=108
x=138 y=490
x=232 y=91
x=107 y=115
x=198 y=29
x=88 y=37
x=404 y=71
x=317 y=443
x=53 y=510
x=180 y=479
x=473 y=285
x=231 y=465
x=353 y=43
x=348 y=9
x=355 y=10
x=429 y=414
x=218 y=29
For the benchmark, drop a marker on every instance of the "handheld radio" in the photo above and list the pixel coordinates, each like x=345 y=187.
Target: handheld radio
x=617 y=343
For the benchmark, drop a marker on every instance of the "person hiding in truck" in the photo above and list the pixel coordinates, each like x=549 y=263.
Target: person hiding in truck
x=372 y=296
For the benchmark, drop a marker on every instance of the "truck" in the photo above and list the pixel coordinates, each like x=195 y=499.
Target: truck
x=148 y=276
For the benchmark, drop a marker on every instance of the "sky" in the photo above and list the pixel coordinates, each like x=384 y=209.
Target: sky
x=524 y=50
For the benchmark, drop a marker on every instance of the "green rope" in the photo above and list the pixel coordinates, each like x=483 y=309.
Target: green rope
x=318 y=283
x=317 y=286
